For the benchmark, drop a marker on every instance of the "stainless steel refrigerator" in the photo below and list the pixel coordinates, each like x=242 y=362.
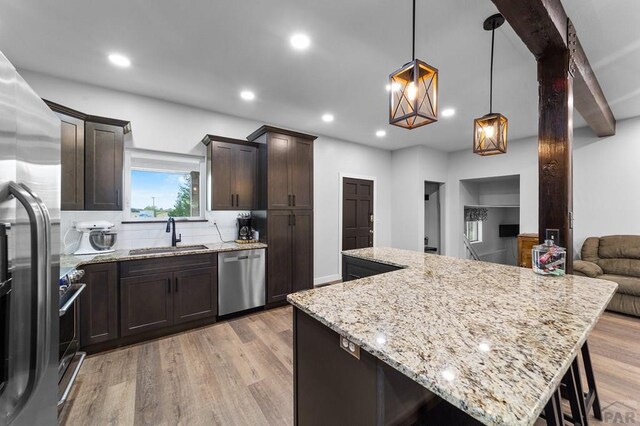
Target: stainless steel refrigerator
x=29 y=253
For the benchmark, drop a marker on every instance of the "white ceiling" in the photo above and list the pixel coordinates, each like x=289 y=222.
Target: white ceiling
x=202 y=53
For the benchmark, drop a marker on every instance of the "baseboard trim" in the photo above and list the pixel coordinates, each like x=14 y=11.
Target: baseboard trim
x=320 y=281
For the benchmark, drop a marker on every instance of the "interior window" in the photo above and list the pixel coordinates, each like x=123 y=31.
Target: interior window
x=473 y=231
x=159 y=188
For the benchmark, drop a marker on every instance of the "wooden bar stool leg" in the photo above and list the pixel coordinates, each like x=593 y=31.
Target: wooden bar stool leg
x=553 y=410
x=569 y=382
x=591 y=396
x=581 y=401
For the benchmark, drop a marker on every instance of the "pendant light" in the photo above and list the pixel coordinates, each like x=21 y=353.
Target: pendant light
x=413 y=91
x=490 y=131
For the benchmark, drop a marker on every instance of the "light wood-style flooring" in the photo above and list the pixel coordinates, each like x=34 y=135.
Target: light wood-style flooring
x=239 y=372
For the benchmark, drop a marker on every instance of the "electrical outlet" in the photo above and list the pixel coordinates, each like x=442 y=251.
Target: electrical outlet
x=212 y=221
x=553 y=234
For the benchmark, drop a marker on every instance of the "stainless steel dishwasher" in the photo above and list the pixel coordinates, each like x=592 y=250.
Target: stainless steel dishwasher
x=241 y=280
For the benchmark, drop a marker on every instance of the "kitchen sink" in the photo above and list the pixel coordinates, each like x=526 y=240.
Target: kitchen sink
x=160 y=250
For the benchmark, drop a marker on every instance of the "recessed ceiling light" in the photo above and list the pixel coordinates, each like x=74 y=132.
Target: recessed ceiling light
x=381 y=133
x=448 y=112
x=300 y=41
x=247 y=95
x=119 y=60
x=327 y=118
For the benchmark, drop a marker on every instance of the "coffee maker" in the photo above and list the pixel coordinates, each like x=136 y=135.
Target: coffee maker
x=244 y=227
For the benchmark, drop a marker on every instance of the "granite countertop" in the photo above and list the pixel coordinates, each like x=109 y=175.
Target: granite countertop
x=69 y=262
x=493 y=340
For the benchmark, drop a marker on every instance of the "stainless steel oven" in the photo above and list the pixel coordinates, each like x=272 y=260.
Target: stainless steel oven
x=69 y=356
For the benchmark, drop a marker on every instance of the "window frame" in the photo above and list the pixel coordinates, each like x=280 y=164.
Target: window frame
x=478 y=223
x=157 y=161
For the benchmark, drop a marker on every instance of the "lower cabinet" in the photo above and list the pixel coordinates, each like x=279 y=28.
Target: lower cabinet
x=146 y=303
x=195 y=294
x=155 y=301
x=354 y=268
x=290 y=255
x=99 y=304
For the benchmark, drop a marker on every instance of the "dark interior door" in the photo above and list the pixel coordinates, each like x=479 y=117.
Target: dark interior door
x=357 y=213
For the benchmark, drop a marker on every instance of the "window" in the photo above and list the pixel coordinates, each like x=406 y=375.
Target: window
x=160 y=185
x=473 y=231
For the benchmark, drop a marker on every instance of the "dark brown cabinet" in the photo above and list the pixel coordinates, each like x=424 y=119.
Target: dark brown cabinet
x=195 y=294
x=290 y=172
x=302 y=249
x=156 y=293
x=99 y=304
x=290 y=256
x=72 y=163
x=92 y=154
x=286 y=173
x=289 y=169
x=232 y=168
x=146 y=303
x=354 y=268
x=104 y=155
x=279 y=255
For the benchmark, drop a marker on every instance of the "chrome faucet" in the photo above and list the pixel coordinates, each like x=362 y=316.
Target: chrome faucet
x=171 y=227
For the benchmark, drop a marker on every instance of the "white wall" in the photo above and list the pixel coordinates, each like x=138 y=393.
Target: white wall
x=606 y=183
x=170 y=127
x=410 y=168
x=333 y=160
x=520 y=159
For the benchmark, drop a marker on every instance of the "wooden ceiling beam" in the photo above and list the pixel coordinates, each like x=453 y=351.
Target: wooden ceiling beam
x=545 y=29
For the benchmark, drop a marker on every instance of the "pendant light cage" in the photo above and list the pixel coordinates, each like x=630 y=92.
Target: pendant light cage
x=490 y=134
x=413 y=95
x=490 y=130
x=413 y=91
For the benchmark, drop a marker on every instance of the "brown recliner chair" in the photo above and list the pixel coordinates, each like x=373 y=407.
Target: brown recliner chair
x=614 y=258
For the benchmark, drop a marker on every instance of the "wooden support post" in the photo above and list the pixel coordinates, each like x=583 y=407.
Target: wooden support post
x=555 y=138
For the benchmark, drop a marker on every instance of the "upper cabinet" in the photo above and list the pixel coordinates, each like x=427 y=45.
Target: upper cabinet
x=72 y=162
x=92 y=157
x=289 y=170
x=104 y=155
x=232 y=169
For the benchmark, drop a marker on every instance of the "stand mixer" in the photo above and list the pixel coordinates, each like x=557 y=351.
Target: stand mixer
x=97 y=237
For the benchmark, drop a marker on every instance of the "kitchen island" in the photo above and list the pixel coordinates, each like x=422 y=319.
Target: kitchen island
x=440 y=336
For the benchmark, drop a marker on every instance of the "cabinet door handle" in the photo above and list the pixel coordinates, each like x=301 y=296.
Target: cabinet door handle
x=294 y=200
x=117 y=197
x=289 y=220
x=176 y=284
x=294 y=220
x=289 y=203
x=168 y=285
x=237 y=200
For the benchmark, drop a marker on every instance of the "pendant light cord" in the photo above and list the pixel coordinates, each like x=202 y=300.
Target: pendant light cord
x=493 y=33
x=413 y=46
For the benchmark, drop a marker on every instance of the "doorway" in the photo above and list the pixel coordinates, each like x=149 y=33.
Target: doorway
x=432 y=219
x=357 y=213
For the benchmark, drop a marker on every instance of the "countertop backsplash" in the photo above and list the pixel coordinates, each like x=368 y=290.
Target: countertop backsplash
x=139 y=235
